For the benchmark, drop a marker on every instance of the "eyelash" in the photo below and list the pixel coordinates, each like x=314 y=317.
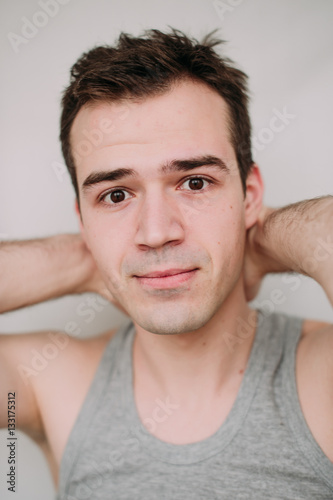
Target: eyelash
x=101 y=199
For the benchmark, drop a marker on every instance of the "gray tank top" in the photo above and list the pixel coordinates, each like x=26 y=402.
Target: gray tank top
x=263 y=450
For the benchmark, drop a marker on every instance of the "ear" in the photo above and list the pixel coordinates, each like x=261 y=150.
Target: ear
x=254 y=196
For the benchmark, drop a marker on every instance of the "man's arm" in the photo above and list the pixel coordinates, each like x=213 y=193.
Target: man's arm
x=295 y=238
x=33 y=271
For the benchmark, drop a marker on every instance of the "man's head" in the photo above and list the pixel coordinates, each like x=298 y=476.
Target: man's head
x=162 y=205
x=143 y=67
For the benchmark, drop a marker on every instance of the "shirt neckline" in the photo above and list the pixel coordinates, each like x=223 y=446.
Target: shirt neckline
x=197 y=451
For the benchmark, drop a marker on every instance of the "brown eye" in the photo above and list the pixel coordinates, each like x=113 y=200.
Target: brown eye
x=117 y=196
x=195 y=184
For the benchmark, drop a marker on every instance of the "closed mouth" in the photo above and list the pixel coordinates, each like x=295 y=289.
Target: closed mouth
x=165 y=273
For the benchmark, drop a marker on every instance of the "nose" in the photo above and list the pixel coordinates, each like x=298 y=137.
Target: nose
x=159 y=222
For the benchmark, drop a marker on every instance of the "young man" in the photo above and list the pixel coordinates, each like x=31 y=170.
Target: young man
x=200 y=396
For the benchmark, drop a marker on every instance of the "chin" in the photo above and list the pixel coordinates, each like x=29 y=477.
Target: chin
x=173 y=320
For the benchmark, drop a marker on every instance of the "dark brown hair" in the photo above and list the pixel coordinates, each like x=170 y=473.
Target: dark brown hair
x=149 y=65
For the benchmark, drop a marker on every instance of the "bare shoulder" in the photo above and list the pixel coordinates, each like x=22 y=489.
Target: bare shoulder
x=61 y=388
x=315 y=351
x=51 y=373
x=314 y=326
x=314 y=374
x=38 y=356
x=316 y=348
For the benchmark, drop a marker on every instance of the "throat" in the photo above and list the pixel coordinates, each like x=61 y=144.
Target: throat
x=185 y=388
x=187 y=418
x=200 y=364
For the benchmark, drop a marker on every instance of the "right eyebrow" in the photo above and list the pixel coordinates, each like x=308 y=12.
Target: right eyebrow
x=107 y=175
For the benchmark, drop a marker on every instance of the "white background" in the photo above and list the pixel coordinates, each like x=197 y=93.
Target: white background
x=285 y=47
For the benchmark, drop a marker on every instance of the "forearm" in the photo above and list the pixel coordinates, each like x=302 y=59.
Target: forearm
x=33 y=271
x=299 y=238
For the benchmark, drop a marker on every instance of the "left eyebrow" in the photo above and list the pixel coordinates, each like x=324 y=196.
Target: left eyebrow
x=169 y=167
x=196 y=162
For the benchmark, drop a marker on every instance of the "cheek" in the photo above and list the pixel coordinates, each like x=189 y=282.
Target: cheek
x=105 y=245
x=224 y=237
x=221 y=223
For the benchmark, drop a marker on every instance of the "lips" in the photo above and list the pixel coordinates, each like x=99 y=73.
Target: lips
x=166 y=279
x=164 y=274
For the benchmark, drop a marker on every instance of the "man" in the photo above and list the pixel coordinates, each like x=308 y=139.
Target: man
x=200 y=396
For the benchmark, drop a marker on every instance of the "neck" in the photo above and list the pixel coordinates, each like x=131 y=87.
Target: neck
x=206 y=358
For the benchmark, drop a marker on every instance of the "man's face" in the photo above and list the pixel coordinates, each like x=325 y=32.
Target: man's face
x=162 y=205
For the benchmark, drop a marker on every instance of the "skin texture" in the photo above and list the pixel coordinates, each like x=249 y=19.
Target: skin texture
x=162 y=224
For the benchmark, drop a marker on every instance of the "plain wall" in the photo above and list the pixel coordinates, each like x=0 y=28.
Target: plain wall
x=286 y=49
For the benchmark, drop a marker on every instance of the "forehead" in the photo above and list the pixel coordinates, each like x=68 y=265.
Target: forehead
x=191 y=118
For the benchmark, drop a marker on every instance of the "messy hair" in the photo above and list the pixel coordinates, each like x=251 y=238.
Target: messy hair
x=137 y=68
